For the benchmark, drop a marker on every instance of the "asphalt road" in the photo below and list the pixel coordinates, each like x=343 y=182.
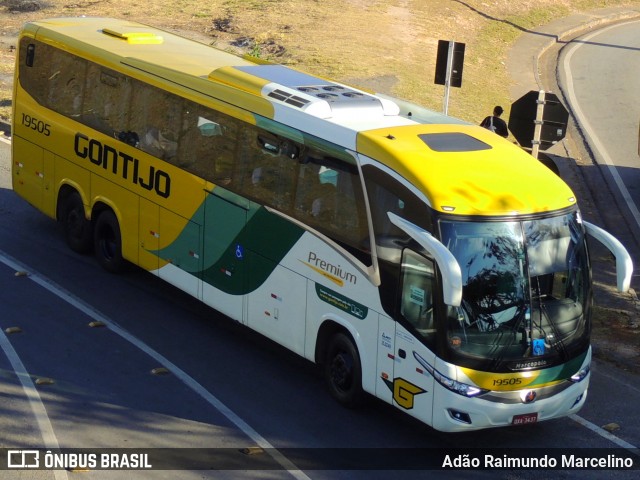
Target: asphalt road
x=225 y=387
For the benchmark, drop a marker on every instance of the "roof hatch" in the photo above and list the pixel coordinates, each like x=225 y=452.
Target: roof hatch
x=453 y=142
x=136 y=37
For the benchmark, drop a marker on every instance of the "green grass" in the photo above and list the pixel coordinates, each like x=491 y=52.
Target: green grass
x=371 y=43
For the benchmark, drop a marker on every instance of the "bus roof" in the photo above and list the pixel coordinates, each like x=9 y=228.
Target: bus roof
x=468 y=170
x=460 y=168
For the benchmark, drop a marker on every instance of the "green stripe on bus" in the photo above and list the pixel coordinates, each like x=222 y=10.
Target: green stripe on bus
x=561 y=372
x=241 y=248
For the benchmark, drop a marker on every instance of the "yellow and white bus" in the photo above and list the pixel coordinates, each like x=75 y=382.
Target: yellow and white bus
x=417 y=258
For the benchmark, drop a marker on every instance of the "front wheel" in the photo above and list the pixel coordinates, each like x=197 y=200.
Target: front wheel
x=343 y=372
x=108 y=242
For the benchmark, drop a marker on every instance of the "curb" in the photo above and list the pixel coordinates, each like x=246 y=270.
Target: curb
x=523 y=59
x=576 y=30
x=5 y=132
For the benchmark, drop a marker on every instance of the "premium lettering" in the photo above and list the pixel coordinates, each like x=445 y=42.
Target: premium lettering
x=335 y=270
x=123 y=165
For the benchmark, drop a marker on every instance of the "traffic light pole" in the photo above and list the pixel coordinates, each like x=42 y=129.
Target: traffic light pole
x=535 y=143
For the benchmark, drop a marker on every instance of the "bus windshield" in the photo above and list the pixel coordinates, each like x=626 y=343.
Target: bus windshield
x=525 y=291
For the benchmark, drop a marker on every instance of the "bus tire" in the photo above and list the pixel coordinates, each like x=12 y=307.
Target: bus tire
x=108 y=242
x=343 y=371
x=77 y=229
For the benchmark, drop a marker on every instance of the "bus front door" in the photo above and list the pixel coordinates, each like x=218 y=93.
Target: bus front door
x=415 y=359
x=415 y=332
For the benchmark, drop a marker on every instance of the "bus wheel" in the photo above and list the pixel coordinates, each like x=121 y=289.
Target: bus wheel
x=108 y=243
x=77 y=229
x=343 y=372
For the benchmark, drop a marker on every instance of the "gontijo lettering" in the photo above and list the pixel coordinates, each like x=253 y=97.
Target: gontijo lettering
x=122 y=164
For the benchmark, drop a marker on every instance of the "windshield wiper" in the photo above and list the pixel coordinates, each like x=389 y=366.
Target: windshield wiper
x=513 y=332
x=549 y=320
x=556 y=334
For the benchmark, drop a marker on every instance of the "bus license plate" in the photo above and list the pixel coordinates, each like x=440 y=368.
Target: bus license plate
x=525 y=419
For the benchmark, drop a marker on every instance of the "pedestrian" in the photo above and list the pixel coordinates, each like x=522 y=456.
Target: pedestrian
x=495 y=123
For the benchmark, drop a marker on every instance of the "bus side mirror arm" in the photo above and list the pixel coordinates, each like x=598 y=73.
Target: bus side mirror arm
x=447 y=263
x=624 y=265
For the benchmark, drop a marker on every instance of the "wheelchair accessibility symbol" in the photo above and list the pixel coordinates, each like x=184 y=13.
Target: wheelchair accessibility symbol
x=239 y=252
x=538 y=346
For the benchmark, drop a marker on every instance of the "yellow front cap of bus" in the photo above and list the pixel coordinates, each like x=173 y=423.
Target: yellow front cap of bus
x=467 y=170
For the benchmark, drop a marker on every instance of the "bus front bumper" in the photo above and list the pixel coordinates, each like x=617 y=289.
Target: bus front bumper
x=455 y=413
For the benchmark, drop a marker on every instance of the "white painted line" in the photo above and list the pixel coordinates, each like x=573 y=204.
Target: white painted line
x=39 y=411
x=597 y=144
x=603 y=433
x=184 y=377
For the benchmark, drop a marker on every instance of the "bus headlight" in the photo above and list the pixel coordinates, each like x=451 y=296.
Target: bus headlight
x=450 y=384
x=458 y=387
x=580 y=375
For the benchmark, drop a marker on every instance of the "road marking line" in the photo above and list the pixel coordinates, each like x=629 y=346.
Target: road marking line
x=184 y=377
x=35 y=401
x=603 y=433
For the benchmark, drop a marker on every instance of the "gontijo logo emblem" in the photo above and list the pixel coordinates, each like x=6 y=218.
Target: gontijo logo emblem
x=404 y=392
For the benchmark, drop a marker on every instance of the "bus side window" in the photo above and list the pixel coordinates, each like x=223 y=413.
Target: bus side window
x=387 y=194
x=350 y=215
x=106 y=108
x=66 y=86
x=310 y=192
x=329 y=197
x=54 y=78
x=207 y=146
x=269 y=172
x=35 y=79
x=156 y=116
x=416 y=296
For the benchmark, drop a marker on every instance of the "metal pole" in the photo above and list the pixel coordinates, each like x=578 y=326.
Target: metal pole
x=537 y=131
x=447 y=81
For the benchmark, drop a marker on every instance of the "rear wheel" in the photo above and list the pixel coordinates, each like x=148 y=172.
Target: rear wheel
x=108 y=243
x=77 y=229
x=343 y=372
